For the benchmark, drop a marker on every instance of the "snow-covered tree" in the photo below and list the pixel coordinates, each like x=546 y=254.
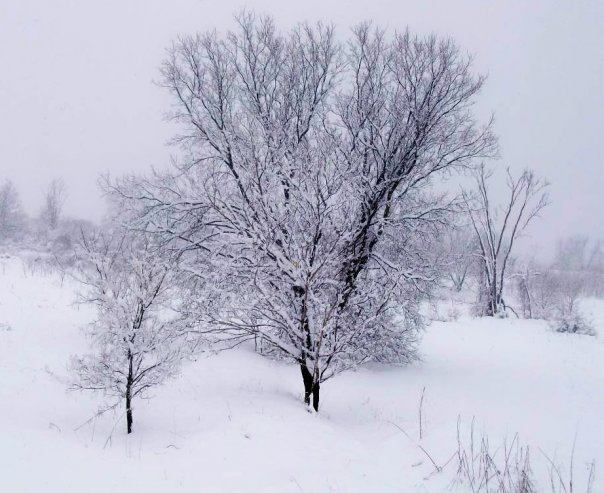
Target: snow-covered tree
x=304 y=204
x=11 y=214
x=497 y=228
x=54 y=200
x=135 y=343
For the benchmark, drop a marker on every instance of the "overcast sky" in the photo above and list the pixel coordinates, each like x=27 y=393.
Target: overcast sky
x=77 y=96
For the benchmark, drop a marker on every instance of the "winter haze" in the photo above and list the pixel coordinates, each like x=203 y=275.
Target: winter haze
x=326 y=246
x=78 y=97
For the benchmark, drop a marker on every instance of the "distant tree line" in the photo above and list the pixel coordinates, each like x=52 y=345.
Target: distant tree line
x=51 y=230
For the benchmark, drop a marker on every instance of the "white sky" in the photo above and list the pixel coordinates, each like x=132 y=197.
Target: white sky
x=77 y=98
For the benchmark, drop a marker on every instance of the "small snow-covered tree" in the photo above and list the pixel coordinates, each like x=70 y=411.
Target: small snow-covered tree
x=135 y=345
x=11 y=214
x=54 y=200
x=304 y=203
x=498 y=228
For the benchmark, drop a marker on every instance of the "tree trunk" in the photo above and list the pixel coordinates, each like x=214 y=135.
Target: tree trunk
x=129 y=395
x=311 y=388
x=129 y=410
x=493 y=300
x=308 y=384
x=315 y=396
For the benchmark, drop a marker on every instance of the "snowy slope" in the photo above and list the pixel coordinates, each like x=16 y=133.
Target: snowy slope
x=234 y=421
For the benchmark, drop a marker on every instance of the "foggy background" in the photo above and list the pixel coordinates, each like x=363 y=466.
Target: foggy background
x=78 y=99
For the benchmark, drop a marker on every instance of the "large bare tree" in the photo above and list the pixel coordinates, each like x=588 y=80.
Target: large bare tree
x=304 y=204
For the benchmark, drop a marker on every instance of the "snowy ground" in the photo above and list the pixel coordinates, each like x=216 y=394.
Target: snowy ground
x=234 y=422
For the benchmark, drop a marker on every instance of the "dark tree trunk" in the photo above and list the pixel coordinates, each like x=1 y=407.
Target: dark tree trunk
x=129 y=395
x=311 y=388
x=490 y=311
x=307 y=380
x=315 y=396
x=495 y=302
x=129 y=410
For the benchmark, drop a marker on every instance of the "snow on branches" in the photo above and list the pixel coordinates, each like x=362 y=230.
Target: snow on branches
x=498 y=228
x=136 y=343
x=304 y=204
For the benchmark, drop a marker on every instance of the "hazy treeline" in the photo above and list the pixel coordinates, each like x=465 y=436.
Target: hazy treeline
x=51 y=230
x=534 y=288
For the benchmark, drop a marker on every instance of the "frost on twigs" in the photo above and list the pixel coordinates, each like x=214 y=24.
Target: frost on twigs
x=303 y=206
x=135 y=339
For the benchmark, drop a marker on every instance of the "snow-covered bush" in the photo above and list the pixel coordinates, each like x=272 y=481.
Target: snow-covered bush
x=573 y=323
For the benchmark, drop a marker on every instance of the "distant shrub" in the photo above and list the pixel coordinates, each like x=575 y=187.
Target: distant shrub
x=554 y=295
x=573 y=323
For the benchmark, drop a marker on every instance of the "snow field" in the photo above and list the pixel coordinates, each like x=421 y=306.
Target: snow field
x=235 y=421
